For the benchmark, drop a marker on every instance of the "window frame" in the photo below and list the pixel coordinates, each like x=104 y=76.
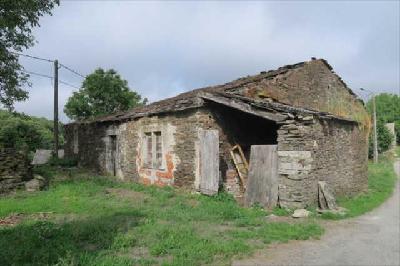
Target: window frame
x=153 y=157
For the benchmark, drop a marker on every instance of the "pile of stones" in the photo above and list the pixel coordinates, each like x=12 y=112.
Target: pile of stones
x=15 y=170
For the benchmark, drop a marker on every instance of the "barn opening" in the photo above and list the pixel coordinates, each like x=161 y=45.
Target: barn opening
x=246 y=129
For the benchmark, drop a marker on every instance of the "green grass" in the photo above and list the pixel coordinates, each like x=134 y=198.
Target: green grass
x=381 y=182
x=93 y=220
x=133 y=225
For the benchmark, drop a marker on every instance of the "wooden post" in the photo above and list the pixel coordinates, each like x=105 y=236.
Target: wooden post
x=55 y=108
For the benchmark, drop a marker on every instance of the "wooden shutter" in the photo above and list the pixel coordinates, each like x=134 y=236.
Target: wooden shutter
x=209 y=161
x=158 y=150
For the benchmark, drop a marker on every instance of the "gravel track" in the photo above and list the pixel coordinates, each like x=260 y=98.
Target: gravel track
x=370 y=239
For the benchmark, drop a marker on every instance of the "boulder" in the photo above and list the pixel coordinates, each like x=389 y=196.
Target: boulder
x=326 y=199
x=300 y=213
x=37 y=183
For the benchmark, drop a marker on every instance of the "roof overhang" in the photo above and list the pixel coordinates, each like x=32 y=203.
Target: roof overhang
x=243 y=106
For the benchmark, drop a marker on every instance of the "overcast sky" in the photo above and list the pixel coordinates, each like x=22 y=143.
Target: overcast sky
x=165 y=48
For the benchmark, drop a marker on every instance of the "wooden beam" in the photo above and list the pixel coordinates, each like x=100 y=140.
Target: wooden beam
x=244 y=107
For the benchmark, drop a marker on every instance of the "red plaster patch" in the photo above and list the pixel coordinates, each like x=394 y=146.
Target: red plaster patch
x=169 y=174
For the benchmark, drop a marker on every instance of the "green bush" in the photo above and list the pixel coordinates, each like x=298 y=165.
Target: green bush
x=28 y=133
x=385 y=139
x=387 y=110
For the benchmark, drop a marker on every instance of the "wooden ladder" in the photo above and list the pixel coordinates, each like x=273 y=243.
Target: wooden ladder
x=240 y=163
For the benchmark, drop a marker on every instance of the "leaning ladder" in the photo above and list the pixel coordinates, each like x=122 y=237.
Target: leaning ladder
x=240 y=163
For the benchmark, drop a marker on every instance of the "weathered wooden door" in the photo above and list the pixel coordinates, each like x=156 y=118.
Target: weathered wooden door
x=262 y=182
x=209 y=161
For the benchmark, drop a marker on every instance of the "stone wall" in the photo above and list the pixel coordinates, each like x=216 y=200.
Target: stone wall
x=178 y=132
x=15 y=170
x=312 y=150
x=313 y=86
x=309 y=150
x=91 y=148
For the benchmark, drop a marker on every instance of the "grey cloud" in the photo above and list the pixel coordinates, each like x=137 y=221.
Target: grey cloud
x=164 y=48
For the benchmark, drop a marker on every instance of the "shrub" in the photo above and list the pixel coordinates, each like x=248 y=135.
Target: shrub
x=23 y=132
x=385 y=139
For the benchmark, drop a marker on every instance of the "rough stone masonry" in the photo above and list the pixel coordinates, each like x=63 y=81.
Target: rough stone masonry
x=15 y=170
x=319 y=125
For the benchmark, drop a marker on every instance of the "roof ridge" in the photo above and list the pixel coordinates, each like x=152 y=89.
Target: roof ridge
x=176 y=102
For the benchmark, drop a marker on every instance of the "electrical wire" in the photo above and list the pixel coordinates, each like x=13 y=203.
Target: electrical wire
x=71 y=70
x=65 y=83
x=51 y=61
x=34 y=57
x=49 y=77
x=37 y=74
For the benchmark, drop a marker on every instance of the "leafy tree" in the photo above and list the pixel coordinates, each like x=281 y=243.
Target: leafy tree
x=387 y=107
x=387 y=110
x=103 y=92
x=17 y=18
x=23 y=132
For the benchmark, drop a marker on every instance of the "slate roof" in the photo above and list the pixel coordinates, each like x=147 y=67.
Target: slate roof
x=193 y=99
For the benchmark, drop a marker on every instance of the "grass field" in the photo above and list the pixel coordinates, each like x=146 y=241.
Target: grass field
x=91 y=220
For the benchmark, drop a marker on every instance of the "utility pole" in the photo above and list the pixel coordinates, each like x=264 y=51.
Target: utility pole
x=375 y=133
x=56 y=108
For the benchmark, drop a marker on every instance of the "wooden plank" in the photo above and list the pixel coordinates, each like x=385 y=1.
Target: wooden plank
x=209 y=161
x=244 y=107
x=262 y=182
x=325 y=196
x=241 y=164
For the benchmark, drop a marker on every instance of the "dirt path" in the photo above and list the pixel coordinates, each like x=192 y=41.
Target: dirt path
x=371 y=239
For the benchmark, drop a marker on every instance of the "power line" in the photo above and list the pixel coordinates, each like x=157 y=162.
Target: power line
x=51 y=61
x=65 y=83
x=37 y=74
x=49 y=77
x=34 y=57
x=73 y=71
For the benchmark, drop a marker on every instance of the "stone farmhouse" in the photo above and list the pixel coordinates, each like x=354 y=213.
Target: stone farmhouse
x=288 y=129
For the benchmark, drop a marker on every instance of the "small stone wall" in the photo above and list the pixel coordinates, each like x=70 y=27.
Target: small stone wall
x=85 y=142
x=312 y=150
x=15 y=170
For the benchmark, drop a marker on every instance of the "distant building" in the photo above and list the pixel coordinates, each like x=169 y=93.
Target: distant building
x=317 y=124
